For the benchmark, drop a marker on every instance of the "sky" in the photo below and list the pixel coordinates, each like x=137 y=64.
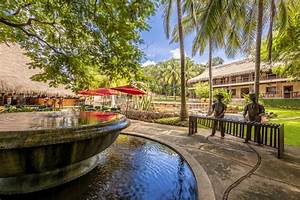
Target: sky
x=158 y=48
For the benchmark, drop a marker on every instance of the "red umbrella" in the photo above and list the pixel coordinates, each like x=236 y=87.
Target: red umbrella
x=105 y=91
x=129 y=90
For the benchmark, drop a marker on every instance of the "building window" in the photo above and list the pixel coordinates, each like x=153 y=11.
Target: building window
x=245 y=78
x=271 y=76
x=233 y=79
x=233 y=92
x=271 y=90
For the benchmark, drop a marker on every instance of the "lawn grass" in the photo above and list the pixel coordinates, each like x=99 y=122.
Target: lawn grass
x=291 y=126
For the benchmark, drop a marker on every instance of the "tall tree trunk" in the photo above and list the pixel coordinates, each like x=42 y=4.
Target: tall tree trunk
x=183 y=109
x=210 y=94
x=174 y=87
x=270 y=32
x=258 y=46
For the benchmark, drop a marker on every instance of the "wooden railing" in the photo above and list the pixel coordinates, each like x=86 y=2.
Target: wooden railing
x=267 y=134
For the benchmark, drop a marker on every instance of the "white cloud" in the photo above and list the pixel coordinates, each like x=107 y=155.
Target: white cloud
x=148 y=62
x=176 y=53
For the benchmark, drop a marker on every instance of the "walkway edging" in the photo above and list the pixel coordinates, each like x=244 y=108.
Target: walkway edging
x=204 y=187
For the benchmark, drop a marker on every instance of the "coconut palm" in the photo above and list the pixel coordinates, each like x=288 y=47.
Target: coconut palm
x=214 y=29
x=168 y=6
x=172 y=74
x=278 y=9
x=254 y=23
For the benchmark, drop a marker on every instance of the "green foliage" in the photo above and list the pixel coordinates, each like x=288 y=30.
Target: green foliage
x=174 y=121
x=226 y=94
x=286 y=42
x=11 y=109
x=144 y=102
x=217 y=61
x=282 y=103
x=202 y=90
x=164 y=77
x=77 y=42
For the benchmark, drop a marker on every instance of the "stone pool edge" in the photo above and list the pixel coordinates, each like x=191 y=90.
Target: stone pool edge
x=205 y=190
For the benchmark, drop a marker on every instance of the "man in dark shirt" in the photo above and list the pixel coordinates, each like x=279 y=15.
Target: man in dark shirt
x=253 y=112
x=218 y=109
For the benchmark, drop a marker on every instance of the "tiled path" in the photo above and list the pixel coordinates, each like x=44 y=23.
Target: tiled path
x=235 y=170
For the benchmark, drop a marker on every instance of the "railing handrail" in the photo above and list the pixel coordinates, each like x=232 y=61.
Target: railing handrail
x=268 y=134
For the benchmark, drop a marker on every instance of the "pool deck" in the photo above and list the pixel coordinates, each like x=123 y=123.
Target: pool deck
x=234 y=170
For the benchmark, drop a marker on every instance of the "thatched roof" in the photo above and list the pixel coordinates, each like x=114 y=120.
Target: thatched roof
x=230 y=69
x=15 y=75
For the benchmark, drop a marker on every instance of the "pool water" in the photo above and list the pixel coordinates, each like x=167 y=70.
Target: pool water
x=132 y=168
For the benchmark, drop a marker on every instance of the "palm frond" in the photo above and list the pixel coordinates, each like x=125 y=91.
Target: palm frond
x=168 y=4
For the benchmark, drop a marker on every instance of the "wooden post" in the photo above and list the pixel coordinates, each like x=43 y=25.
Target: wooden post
x=281 y=142
x=190 y=125
x=195 y=124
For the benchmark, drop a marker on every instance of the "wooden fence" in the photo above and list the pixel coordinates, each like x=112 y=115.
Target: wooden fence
x=267 y=134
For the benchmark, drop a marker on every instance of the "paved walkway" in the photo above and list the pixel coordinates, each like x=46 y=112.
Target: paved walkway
x=236 y=170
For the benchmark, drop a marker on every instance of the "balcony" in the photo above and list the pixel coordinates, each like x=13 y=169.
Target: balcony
x=279 y=94
x=245 y=79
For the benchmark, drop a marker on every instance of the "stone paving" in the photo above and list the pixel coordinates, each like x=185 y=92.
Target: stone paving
x=236 y=170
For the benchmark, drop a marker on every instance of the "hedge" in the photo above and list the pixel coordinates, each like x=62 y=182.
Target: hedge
x=147 y=116
x=282 y=103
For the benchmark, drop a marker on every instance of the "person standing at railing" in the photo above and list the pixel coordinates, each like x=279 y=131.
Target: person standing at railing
x=218 y=110
x=253 y=112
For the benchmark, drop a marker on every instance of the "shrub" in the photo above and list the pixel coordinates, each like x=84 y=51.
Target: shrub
x=226 y=94
x=202 y=90
x=174 y=121
x=147 y=115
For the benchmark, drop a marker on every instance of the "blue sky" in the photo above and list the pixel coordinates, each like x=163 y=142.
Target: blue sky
x=157 y=47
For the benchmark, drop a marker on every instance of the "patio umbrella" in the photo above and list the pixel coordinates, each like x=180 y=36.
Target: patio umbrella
x=104 y=91
x=129 y=90
x=107 y=92
x=89 y=93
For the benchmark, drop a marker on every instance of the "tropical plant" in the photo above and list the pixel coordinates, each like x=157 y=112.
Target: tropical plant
x=168 y=6
x=277 y=9
x=73 y=42
x=286 y=47
x=217 y=61
x=216 y=26
x=202 y=89
x=164 y=78
x=227 y=95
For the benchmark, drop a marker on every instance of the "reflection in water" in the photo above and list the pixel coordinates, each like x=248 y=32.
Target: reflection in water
x=52 y=120
x=132 y=168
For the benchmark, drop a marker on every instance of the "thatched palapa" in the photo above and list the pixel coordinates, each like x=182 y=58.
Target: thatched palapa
x=15 y=75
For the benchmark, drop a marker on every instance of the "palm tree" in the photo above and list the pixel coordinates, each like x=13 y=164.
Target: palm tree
x=214 y=28
x=281 y=11
x=168 y=11
x=259 y=26
x=172 y=74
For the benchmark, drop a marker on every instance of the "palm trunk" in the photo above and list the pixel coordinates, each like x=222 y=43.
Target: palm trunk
x=258 y=47
x=270 y=34
x=210 y=94
x=183 y=109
